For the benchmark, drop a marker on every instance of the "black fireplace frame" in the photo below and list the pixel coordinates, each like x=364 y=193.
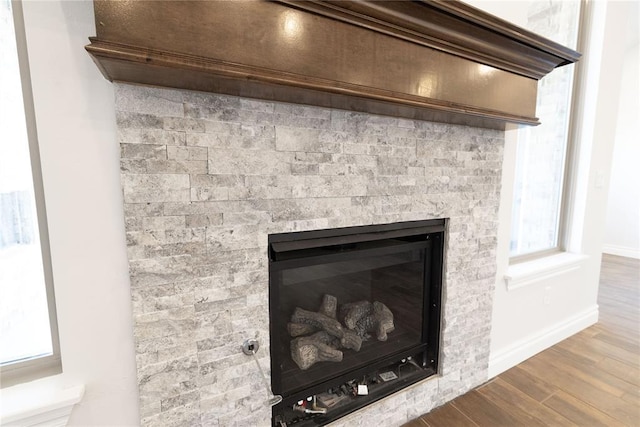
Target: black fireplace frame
x=330 y=244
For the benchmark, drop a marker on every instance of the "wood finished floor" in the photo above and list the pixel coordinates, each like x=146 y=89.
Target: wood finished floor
x=590 y=379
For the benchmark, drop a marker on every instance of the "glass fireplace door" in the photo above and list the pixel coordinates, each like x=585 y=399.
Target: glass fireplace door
x=341 y=304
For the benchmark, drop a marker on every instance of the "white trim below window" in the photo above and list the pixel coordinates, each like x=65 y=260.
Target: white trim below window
x=46 y=402
x=530 y=272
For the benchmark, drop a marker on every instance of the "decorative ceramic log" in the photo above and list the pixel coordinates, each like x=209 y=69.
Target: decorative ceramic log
x=364 y=318
x=306 y=351
x=329 y=306
x=299 y=329
x=351 y=340
x=327 y=339
x=318 y=320
x=384 y=320
x=355 y=311
x=348 y=339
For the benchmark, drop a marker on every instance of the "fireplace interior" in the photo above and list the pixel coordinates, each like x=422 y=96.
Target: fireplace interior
x=354 y=316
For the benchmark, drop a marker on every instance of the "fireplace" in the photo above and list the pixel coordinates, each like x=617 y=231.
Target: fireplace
x=354 y=315
x=210 y=181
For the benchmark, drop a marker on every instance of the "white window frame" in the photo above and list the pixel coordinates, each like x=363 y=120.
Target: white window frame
x=570 y=159
x=38 y=367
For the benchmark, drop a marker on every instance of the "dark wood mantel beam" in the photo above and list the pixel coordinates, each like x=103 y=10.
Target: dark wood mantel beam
x=433 y=60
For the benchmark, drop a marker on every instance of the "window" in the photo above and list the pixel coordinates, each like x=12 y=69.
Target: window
x=541 y=186
x=27 y=308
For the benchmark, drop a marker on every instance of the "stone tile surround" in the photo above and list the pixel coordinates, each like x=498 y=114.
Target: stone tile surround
x=207 y=177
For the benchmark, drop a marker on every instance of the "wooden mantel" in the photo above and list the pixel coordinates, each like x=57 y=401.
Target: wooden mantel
x=430 y=59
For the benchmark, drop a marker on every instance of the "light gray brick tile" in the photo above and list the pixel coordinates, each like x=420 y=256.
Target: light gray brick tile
x=135 y=252
x=159 y=271
x=143 y=151
x=182 y=416
x=304 y=169
x=205 y=111
x=126 y=120
x=353 y=159
x=257 y=105
x=240 y=218
x=202 y=194
x=219 y=180
x=204 y=220
x=313 y=157
x=163 y=222
x=139 y=210
x=333 y=169
x=155 y=188
x=302 y=111
x=177 y=166
x=349 y=148
x=155 y=101
x=133 y=223
x=179 y=400
x=233 y=238
x=150 y=136
x=306 y=140
x=183 y=124
x=211 y=100
x=330 y=186
x=247 y=162
x=146 y=304
x=172 y=249
x=186 y=153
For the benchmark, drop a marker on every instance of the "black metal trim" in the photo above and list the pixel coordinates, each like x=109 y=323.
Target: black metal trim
x=352 y=243
x=309 y=243
x=347 y=254
x=438 y=224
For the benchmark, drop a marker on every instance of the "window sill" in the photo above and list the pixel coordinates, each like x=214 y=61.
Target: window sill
x=530 y=272
x=45 y=402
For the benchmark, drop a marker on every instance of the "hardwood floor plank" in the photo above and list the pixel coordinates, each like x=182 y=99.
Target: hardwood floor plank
x=483 y=412
x=579 y=412
x=632 y=399
x=625 y=329
x=578 y=355
x=606 y=402
x=576 y=347
x=630 y=335
x=529 y=384
x=591 y=374
x=598 y=376
x=621 y=370
x=618 y=342
x=602 y=349
x=619 y=299
x=521 y=406
x=622 y=315
x=447 y=416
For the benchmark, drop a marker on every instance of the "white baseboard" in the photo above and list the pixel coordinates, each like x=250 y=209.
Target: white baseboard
x=521 y=350
x=621 y=251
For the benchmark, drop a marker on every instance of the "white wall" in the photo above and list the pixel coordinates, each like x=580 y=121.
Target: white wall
x=623 y=210
x=80 y=163
x=554 y=304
